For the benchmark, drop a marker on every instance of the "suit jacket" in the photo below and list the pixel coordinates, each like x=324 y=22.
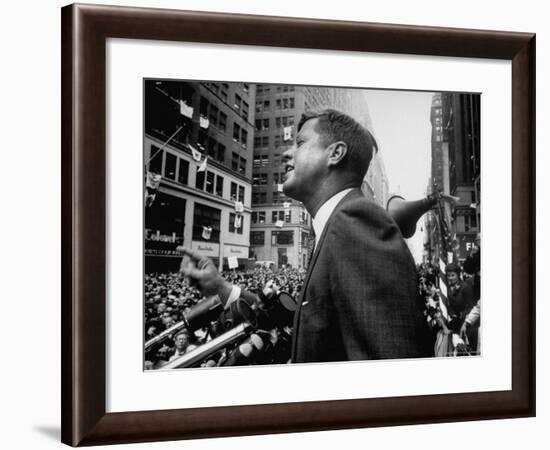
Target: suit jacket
x=358 y=297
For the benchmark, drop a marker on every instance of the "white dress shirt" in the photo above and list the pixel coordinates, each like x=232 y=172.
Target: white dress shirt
x=321 y=218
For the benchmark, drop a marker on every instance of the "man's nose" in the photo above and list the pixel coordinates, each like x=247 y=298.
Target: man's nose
x=287 y=154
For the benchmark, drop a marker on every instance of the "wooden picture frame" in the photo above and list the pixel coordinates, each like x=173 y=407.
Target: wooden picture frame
x=85 y=29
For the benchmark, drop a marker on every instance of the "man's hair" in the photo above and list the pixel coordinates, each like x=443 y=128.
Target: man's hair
x=333 y=126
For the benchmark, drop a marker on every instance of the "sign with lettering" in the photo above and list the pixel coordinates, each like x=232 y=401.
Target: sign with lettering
x=235 y=251
x=206 y=248
x=233 y=262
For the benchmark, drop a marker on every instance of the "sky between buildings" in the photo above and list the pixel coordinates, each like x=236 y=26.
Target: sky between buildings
x=402 y=128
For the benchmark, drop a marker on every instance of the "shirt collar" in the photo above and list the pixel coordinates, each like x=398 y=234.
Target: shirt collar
x=323 y=214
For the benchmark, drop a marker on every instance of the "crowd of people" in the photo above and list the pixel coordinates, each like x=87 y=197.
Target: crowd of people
x=452 y=312
x=452 y=320
x=168 y=296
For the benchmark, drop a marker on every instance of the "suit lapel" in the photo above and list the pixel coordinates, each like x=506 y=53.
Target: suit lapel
x=352 y=194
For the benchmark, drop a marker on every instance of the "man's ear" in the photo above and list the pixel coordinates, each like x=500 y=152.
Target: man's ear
x=337 y=151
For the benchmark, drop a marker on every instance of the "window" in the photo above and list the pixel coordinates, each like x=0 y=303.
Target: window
x=265 y=160
x=236 y=132
x=245 y=87
x=210 y=182
x=244 y=113
x=170 y=166
x=238 y=102
x=183 y=172
x=242 y=165
x=277 y=215
x=221 y=153
x=288 y=216
x=219 y=185
x=155 y=163
x=278 y=103
x=223 y=93
x=291 y=102
x=282 y=237
x=222 y=124
x=257 y=238
x=204 y=107
x=235 y=162
x=203 y=137
x=232 y=227
x=262 y=124
x=262 y=179
x=213 y=116
x=199 y=181
x=206 y=216
x=257 y=199
x=259 y=89
x=244 y=137
x=234 y=196
x=211 y=147
x=261 y=141
x=261 y=217
x=254 y=217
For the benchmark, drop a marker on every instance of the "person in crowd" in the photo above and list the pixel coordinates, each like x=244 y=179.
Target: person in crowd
x=358 y=297
x=182 y=345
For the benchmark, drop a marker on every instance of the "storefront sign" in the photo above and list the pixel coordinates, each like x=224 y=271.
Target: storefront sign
x=206 y=248
x=236 y=251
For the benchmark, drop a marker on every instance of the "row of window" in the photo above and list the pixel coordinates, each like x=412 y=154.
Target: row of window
x=278 y=141
x=242 y=106
x=240 y=134
x=261 y=179
x=206 y=217
x=280 y=104
x=261 y=197
x=266 y=89
x=215 y=116
x=219 y=90
x=283 y=121
x=259 y=217
x=238 y=163
x=177 y=169
x=214 y=149
x=277 y=237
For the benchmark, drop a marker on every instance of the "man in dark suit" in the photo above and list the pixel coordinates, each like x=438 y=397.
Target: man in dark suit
x=357 y=301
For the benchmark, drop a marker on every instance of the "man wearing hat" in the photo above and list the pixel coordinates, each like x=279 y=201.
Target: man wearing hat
x=358 y=297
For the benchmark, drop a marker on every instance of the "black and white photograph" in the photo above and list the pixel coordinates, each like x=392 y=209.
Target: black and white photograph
x=307 y=224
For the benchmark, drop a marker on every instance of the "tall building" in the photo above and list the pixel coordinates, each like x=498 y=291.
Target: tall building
x=199 y=140
x=281 y=227
x=455 y=121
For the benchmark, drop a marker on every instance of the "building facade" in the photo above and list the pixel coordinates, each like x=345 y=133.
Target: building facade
x=198 y=146
x=452 y=230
